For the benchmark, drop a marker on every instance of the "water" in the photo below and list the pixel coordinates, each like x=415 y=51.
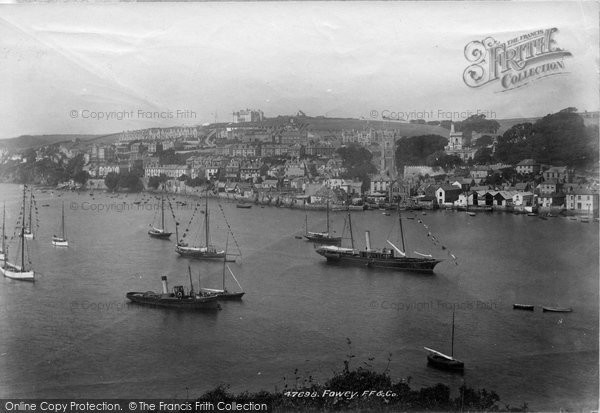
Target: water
x=71 y=333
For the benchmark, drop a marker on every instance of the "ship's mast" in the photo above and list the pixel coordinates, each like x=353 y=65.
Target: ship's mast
x=327 y=216
x=4 y=231
x=225 y=260
x=350 y=226
x=206 y=221
x=162 y=212
x=191 y=284
x=452 y=349
x=63 y=220
x=30 y=208
x=401 y=230
x=23 y=233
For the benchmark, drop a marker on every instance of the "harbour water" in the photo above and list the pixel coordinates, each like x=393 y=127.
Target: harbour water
x=72 y=333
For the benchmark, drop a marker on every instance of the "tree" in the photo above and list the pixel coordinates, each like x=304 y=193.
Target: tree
x=81 y=177
x=111 y=181
x=415 y=150
x=483 y=156
x=357 y=161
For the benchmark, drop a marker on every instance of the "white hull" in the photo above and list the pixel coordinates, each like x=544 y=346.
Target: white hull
x=2 y=256
x=28 y=236
x=60 y=243
x=15 y=274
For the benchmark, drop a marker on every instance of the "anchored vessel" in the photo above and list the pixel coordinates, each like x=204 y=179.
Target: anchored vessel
x=3 y=250
x=322 y=237
x=223 y=293
x=177 y=298
x=393 y=258
x=161 y=232
x=14 y=271
x=62 y=240
x=443 y=361
x=207 y=251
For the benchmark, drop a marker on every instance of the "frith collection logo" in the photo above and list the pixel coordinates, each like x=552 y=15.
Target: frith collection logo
x=515 y=62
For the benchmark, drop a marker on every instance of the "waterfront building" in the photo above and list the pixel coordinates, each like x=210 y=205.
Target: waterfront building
x=523 y=199
x=550 y=200
x=380 y=183
x=447 y=194
x=582 y=201
x=171 y=171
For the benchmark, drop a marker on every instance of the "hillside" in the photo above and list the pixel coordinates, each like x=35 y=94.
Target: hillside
x=34 y=141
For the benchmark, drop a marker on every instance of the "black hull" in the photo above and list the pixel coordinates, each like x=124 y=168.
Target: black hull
x=230 y=296
x=160 y=235
x=170 y=301
x=324 y=240
x=422 y=265
x=445 y=364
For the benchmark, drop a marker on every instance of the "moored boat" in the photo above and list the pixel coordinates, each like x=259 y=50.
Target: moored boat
x=443 y=361
x=207 y=251
x=557 y=309
x=62 y=240
x=177 y=298
x=527 y=307
x=243 y=205
x=323 y=238
x=393 y=258
x=161 y=232
x=14 y=271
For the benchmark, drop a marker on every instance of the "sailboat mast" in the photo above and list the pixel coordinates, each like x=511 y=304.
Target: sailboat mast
x=4 y=230
x=30 y=208
x=401 y=231
x=452 y=349
x=162 y=212
x=63 y=220
x=191 y=284
x=225 y=260
x=351 y=234
x=328 y=216
x=206 y=221
x=23 y=233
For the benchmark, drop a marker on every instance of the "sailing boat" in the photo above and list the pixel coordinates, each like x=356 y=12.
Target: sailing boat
x=160 y=232
x=14 y=271
x=207 y=251
x=443 y=361
x=3 y=251
x=223 y=293
x=28 y=226
x=322 y=237
x=62 y=240
x=393 y=258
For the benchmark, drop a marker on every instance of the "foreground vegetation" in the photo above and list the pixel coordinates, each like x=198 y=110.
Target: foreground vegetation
x=374 y=391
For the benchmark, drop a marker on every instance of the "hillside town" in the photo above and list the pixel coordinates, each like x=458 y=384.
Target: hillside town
x=291 y=164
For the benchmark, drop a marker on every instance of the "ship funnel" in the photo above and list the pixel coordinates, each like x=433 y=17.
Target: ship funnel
x=368 y=240
x=164 y=284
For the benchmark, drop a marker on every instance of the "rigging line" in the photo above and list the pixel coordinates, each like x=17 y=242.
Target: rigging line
x=230 y=230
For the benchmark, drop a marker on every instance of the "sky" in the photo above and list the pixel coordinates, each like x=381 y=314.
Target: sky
x=62 y=66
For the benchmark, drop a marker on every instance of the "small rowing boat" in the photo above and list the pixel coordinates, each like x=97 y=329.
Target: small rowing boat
x=557 y=309
x=527 y=307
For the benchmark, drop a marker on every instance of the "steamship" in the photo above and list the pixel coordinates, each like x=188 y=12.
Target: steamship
x=389 y=258
x=177 y=298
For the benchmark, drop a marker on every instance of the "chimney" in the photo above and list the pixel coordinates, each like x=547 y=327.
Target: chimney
x=368 y=239
x=164 y=284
